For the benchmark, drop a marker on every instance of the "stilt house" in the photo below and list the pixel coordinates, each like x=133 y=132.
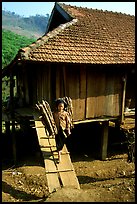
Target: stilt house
x=86 y=54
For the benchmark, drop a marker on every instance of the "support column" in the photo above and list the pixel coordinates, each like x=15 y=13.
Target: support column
x=123 y=98
x=104 y=142
x=12 y=116
x=7 y=127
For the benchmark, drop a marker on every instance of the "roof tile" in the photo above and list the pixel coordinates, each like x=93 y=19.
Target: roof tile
x=93 y=36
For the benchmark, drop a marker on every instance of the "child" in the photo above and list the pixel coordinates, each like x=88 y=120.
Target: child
x=63 y=122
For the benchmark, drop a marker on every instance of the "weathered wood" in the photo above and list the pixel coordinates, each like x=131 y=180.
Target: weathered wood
x=123 y=98
x=7 y=127
x=64 y=169
x=64 y=80
x=52 y=179
x=50 y=116
x=95 y=120
x=104 y=142
x=90 y=102
x=68 y=178
x=47 y=120
x=14 y=142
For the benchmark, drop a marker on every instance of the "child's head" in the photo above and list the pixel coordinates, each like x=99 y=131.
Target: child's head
x=60 y=105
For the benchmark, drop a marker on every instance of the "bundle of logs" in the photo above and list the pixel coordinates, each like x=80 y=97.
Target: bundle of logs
x=47 y=115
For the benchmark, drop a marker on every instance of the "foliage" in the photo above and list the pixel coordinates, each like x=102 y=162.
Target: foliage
x=14 y=30
x=11 y=43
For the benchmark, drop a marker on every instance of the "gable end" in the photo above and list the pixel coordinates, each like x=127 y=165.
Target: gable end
x=58 y=16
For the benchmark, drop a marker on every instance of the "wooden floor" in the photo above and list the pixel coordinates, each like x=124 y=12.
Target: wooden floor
x=58 y=174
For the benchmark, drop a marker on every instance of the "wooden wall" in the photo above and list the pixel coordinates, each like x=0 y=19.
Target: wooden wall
x=95 y=91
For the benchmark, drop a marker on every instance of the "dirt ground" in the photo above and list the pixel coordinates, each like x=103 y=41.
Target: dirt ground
x=112 y=180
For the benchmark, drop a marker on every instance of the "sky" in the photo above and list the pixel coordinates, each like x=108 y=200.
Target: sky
x=27 y=9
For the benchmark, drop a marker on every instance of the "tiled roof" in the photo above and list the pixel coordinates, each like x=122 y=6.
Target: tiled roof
x=93 y=36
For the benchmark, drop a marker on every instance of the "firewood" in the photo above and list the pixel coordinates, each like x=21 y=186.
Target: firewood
x=50 y=115
x=45 y=120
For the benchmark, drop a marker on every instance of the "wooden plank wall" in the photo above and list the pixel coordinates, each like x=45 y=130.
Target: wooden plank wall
x=103 y=94
x=94 y=92
x=44 y=83
x=76 y=89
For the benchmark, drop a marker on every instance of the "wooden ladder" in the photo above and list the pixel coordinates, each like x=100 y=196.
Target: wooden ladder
x=58 y=174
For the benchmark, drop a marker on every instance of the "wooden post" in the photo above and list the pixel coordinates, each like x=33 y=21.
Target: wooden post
x=14 y=142
x=7 y=127
x=104 y=142
x=12 y=117
x=64 y=81
x=123 y=98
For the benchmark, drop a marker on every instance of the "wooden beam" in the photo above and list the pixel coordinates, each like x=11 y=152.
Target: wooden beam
x=123 y=98
x=94 y=120
x=14 y=142
x=104 y=142
x=7 y=126
x=12 y=116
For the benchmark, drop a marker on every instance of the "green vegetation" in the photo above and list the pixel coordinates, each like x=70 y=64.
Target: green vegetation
x=11 y=43
x=18 y=32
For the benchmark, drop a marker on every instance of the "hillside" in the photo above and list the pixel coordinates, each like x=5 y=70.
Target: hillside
x=31 y=27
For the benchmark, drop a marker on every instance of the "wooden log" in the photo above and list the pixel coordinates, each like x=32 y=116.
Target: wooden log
x=51 y=130
x=50 y=115
x=48 y=107
x=45 y=120
x=52 y=123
